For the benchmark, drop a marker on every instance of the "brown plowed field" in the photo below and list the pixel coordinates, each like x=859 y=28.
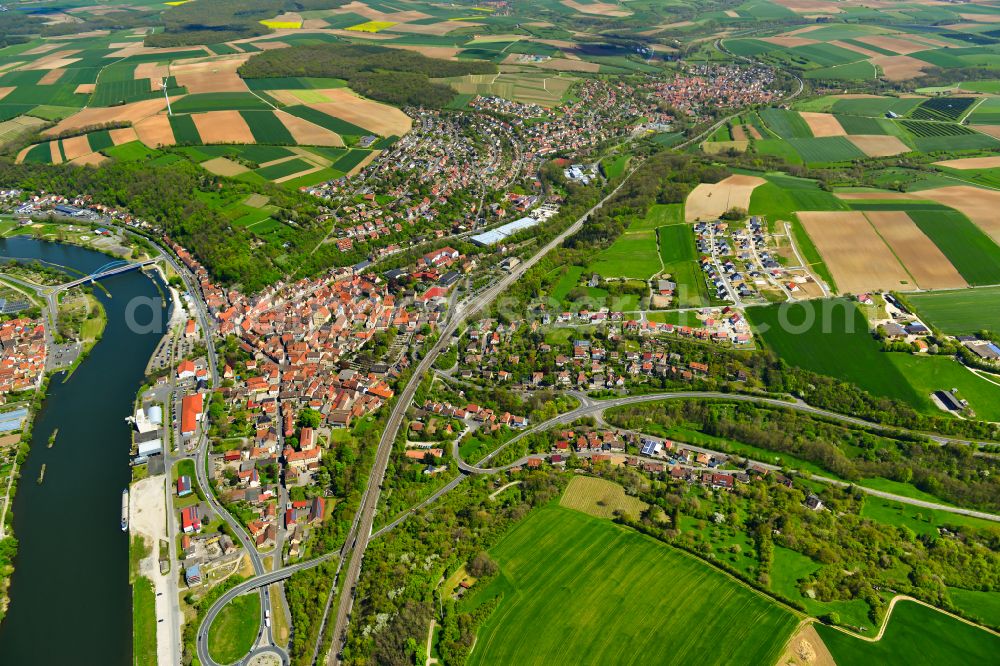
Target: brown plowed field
x=858 y=259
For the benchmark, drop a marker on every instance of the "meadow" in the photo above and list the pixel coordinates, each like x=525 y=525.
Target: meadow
x=632 y=255
x=927 y=374
x=600 y=498
x=921 y=520
x=960 y=311
x=831 y=337
x=233 y=632
x=915 y=635
x=564 y=574
x=680 y=261
x=983 y=606
x=788 y=567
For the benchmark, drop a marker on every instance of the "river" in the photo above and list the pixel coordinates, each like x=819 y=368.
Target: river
x=70 y=596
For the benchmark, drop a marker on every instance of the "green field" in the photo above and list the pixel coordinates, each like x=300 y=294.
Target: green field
x=831 y=337
x=233 y=631
x=329 y=122
x=915 y=635
x=983 y=606
x=185 y=131
x=875 y=107
x=565 y=576
x=919 y=519
x=786 y=124
x=680 y=261
x=632 y=255
x=615 y=167
x=218 y=102
x=789 y=567
x=934 y=373
x=960 y=311
x=266 y=128
x=282 y=169
x=968 y=248
x=864 y=125
x=826 y=149
x=144 y=622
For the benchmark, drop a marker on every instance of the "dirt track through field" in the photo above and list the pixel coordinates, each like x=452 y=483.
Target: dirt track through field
x=858 y=259
x=918 y=253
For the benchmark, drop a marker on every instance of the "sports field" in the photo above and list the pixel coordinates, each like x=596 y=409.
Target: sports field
x=916 y=635
x=579 y=589
x=831 y=337
x=962 y=311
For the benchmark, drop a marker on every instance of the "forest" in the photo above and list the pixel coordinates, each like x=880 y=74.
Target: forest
x=401 y=78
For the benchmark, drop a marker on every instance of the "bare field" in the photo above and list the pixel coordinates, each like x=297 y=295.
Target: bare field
x=374 y=116
x=598 y=8
x=991 y=130
x=900 y=67
x=51 y=77
x=90 y=159
x=972 y=162
x=220 y=166
x=210 y=76
x=822 y=124
x=977 y=204
x=442 y=52
x=155 y=131
x=559 y=64
x=151 y=70
x=709 y=201
x=133 y=113
x=856 y=256
x=307 y=133
x=918 y=253
x=222 y=127
x=807 y=649
x=857 y=49
x=878 y=145
x=123 y=135
x=6 y=90
x=894 y=44
x=75 y=147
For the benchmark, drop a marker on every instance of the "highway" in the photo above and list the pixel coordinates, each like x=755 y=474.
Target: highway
x=369 y=501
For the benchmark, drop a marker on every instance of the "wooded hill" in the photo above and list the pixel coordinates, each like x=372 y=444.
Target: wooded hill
x=393 y=76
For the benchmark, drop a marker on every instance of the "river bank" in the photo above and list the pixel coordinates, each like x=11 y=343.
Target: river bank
x=72 y=565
